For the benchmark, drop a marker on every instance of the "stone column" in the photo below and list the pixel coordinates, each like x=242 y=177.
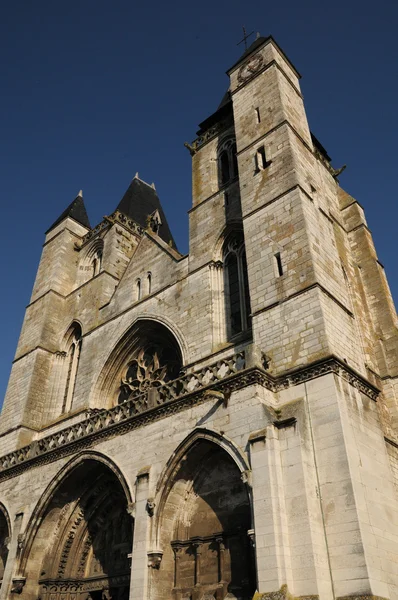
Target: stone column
x=11 y=564
x=139 y=559
x=271 y=543
x=217 y=303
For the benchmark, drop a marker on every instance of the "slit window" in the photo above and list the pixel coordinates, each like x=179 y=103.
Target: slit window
x=261 y=159
x=278 y=264
x=258 y=116
x=138 y=289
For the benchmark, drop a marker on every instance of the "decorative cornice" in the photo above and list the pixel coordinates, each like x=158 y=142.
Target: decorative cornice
x=107 y=222
x=207 y=136
x=225 y=376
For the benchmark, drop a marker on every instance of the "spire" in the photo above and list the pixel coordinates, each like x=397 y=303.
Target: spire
x=141 y=204
x=76 y=211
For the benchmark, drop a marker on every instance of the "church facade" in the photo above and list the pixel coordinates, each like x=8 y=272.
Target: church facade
x=220 y=425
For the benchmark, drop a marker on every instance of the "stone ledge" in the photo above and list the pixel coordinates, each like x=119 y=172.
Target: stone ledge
x=225 y=376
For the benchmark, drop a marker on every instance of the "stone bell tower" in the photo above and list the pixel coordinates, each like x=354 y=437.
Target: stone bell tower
x=322 y=314
x=220 y=425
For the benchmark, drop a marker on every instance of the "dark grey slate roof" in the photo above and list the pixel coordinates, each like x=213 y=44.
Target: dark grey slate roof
x=76 y=211
x=225 y=99
x=140 y=201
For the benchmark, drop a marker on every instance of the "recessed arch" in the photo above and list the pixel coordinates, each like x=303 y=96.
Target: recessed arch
x=202 y=519
x=81 y=529
x=227 y=159
x=5 y=537
x=152 y=344
x=232 y=228
x=90 y=262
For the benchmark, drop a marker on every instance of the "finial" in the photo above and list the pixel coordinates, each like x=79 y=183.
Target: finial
x=136 y=176
x=258 y=35
x=80 y=193
x=153 y=186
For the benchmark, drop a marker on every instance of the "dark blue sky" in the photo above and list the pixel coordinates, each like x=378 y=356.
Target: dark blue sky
x=93 y=91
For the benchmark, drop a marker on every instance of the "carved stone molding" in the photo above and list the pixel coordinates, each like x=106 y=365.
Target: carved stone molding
x=18 y=585
x=225 y=376
x=208 y=135
x=107 y=222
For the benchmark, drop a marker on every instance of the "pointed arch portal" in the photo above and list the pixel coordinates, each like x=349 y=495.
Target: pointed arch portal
x=203 y=529
x=5 y=532
x=83 y=539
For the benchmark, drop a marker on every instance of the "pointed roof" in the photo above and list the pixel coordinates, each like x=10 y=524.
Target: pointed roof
x=76 y=211
x=223 y=110
x=140 y=202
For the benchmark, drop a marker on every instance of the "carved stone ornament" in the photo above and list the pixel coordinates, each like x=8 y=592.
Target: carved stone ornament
x=150 y=506
x=250 y=67
x=21 y=541
x=155 y=559
x=252 y=537
x=246 y=477
x=18 y=585
x=131 y=509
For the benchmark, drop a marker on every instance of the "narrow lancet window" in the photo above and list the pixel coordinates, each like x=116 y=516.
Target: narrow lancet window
x=227 y=161
x=236 y=286
x=138 y=290
x=224 y=165
x=74 y=342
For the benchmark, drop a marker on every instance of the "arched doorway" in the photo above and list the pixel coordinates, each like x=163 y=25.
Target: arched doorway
x=4 y=541
x=81 y=547
x=203 y=530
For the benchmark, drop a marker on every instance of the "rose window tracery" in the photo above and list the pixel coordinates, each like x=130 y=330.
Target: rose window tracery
x=151 y=368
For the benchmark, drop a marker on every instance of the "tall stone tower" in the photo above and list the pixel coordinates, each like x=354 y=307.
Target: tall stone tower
x=220 y=425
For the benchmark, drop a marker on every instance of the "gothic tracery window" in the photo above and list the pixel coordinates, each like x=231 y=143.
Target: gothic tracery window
x=227 y=161
x=236 y=286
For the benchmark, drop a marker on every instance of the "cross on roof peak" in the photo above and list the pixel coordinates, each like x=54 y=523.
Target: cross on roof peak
x=245 y=37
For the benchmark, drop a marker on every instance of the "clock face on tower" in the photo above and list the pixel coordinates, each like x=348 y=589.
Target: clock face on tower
x=250 y=67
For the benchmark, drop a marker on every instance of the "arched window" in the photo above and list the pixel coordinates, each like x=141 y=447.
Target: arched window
x=90 y=263
x=149 y=282
x=73 y=348
x=227 y=161
x=138 y=290
x=236 y=286
x=96 y=262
